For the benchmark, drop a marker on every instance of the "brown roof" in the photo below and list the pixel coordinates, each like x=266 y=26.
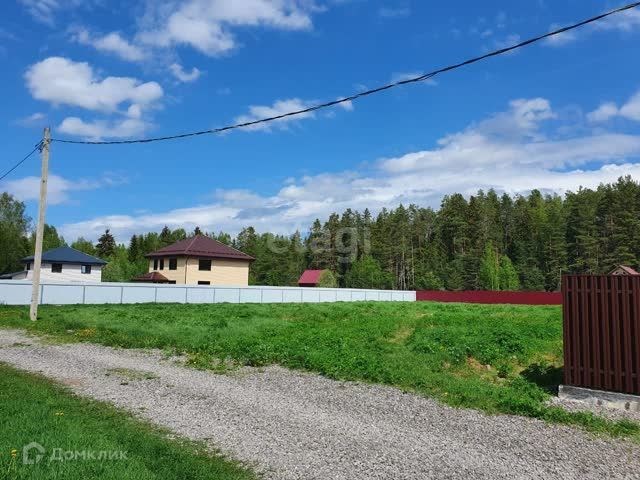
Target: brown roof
x=200 y=246
x=151 y=277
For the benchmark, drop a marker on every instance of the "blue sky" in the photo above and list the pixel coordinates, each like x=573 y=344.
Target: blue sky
x=552 y=116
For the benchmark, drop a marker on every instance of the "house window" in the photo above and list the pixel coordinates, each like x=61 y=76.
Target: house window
x=27 y=266
x=162 y=264
x=85 y=269
x=173 y=264
x=205 y=264
x=202 y=282
x=155 y=263
x=56 y=268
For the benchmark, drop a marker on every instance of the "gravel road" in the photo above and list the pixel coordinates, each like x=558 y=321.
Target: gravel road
x=292 y=425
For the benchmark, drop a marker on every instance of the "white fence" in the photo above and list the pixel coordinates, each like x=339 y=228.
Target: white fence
x=18 y=292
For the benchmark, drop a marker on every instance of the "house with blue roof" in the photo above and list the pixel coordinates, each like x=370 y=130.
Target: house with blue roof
x=62 y=264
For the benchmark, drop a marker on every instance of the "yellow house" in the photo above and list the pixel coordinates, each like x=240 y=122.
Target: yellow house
x=199 y=260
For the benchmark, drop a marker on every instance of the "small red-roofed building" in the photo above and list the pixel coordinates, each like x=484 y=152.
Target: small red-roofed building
x=310 y=278
x=623 y=270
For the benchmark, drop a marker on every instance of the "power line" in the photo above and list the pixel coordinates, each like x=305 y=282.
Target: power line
x=349 y=98
x=37 y=147
x=356 y=96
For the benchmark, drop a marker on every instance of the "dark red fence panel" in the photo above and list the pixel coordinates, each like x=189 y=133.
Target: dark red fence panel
x=487 y=297
x=601 y=328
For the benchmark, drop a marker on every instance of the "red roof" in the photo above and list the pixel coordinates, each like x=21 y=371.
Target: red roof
x=200 y=246
x=623 y=269
x=310 y=277
x=151 y=277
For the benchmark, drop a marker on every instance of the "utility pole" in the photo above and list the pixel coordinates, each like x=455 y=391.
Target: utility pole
x=37 y=258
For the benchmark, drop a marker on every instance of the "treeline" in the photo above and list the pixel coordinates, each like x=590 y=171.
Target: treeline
x=486 y=241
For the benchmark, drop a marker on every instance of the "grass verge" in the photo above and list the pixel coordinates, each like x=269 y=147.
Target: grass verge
x=33 y=409
x=495 y=358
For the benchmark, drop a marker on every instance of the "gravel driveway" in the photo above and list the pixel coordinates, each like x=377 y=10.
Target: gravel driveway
x=291 y=425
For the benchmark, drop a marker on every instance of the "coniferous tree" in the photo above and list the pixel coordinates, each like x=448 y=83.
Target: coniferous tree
x=165 y=237
x=106 y=245
x=134 y=249
x=535 y=238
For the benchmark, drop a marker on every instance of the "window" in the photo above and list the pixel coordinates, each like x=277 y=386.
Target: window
x=202 y=282
x=85 y=269
x=205 y=264
x=173 y=264
x=155 y=263
x=162 y=264
x=27 y=266
x=56 y=268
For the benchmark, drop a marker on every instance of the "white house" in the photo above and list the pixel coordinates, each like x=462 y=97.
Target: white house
x=63 y=264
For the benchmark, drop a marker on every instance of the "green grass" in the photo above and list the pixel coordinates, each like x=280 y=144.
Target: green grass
x=33 y=409
x=499 y=359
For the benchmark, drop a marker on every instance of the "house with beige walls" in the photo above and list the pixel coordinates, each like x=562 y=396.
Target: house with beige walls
x=198 y=260
x=63 y=264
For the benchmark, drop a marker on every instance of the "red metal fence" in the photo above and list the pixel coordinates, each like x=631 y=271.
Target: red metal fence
x=602 y=332
x=513 y=298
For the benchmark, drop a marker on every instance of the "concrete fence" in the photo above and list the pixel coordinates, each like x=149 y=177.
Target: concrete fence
x=17 y=292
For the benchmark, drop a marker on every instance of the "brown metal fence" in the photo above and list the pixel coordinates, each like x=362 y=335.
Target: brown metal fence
x=602 y=332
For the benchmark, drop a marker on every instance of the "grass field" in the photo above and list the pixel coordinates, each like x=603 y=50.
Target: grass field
x=499 y=359
x=33 y=409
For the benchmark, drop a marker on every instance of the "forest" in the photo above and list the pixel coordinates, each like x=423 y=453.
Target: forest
x=485 y=241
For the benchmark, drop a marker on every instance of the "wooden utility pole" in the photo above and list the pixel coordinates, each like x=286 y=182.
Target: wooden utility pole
x=37 y=258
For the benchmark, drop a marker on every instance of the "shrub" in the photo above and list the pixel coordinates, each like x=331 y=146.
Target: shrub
x=327 y=279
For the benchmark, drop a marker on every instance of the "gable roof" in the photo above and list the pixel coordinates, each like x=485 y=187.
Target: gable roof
x=310 y=277
x=67 y=255
x=200 y=246
x=623 y=270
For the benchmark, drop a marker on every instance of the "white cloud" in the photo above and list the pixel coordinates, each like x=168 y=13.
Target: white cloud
x=631 y=109
x=101 y=129
x=37 y=119
x=508 y=41
x=207 y=25
x=111 y=43
x=348 y=105
x=510 y=151
x=399 y=77
x=44 y=11
x=178 y=71
x=603 y=113
x=280 y=107
x=561 y=39
x=608 y=110
x=59 y=81
x=58 y=188
x=388 y=12
x=628 y=21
